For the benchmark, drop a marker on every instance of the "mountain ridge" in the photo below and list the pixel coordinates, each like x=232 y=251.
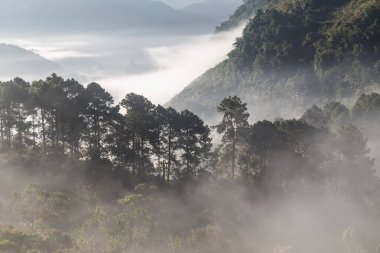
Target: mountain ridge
x=299 y=52
x=17 y=61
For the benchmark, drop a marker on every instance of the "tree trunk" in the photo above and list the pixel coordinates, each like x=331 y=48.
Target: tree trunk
x=63 y=138
x=169 y=155
x=43 y=131
x=9 y=131
x=233 y=158
x=52 y=133
x=19 y=125
x=134 y=152
x=2 y=130
x=142 y=155
x=33 y=130
x=163 y=172
x=187 y=158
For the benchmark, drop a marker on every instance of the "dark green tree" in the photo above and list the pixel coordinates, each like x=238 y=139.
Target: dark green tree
x=69 y=110
x=353 y=148
x=167 y=136
x=194 y=142
x=98 y=115
x=38 y=91
x=315 y=117
x=140 y=122
x=233 y=126
x=367 y=105
x=14 y=114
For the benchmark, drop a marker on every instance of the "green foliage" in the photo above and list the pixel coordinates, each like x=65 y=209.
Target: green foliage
x=60 y=120
x=42 y=209
x=353 y=146
x=194 y=142
x=284 y=159
x=298 y=50
x=17 y=241
x=233 y=127
x=367 y=105
x=39 y=208
x=243 y=13
x=335 y=115
x=99 y=115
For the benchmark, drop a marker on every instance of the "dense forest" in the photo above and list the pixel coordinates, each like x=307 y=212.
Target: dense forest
x=80 y=173
x=243 y=13
x=305 y=51
x=60 y=119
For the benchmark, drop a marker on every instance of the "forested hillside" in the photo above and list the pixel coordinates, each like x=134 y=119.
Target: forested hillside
x=242 y=13
x=80 y=174
x=292 y=54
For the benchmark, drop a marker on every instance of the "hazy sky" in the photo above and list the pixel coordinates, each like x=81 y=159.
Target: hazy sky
x=147 y=53
x=182 y=3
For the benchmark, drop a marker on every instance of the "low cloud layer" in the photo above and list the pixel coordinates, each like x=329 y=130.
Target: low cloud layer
x=157 y=66
x=176 y=66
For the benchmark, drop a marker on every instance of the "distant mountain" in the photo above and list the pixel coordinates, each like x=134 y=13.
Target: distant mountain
x=16 y=61
x=216 y=10
x=91 y=15
x=292 y=54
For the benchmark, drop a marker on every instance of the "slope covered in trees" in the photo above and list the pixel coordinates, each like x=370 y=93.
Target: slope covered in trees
x=300 y=51
x=243 y=13
x=77 y=175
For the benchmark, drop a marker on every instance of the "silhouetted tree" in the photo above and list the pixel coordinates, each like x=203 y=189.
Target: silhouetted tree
x=98 y=114
x=194 y=142
x=233 y=126
x=167 y=138
x=140 y=122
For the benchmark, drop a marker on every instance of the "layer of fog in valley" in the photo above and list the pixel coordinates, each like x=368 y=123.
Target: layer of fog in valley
x=80 y=175
x=133 y=51
x=175 y=66
x=155 y=65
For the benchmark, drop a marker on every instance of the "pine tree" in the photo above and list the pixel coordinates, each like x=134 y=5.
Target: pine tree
x=233 y=127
